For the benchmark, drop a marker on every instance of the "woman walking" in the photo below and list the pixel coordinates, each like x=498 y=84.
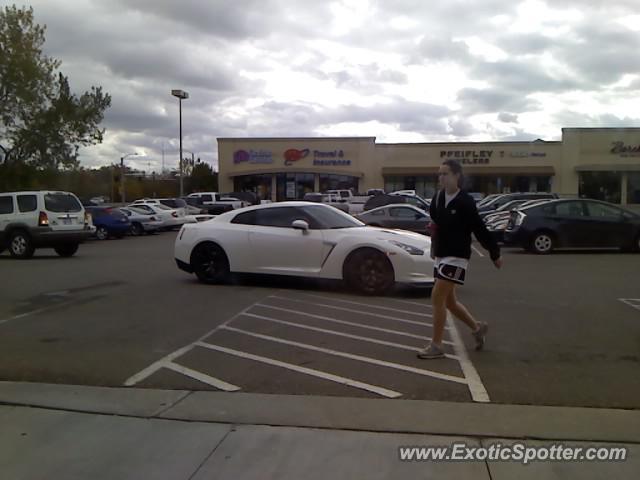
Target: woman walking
x=455 y=216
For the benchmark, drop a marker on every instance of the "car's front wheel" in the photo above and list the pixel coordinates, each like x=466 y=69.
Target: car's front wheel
x=210 y=263
x=369 y=272
x=66 y=250
x=542 y=243
x=21 y=245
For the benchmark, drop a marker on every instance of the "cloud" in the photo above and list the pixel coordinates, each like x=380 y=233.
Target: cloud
x=475 y=101
x=508 y=117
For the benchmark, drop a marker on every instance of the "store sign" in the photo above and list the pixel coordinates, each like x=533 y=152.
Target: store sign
x=468 y=157
x=524 y=154
x=333 y=158
x=625 y=150
x=252 y=156
x=293 y=155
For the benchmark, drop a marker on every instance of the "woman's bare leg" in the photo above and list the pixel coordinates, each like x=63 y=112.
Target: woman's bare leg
x=460 y=311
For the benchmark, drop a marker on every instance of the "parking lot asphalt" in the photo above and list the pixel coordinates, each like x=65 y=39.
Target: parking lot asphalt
x=564 y=329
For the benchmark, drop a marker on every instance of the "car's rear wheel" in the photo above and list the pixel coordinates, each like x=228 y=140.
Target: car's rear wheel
x=102 y=233
x=369 y=271
x=210 y=263
x=542 y=243
x=21 y=245
x=66 y=250
x=136 y=229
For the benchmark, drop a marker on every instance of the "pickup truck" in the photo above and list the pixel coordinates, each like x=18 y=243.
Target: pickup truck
x=215 y=203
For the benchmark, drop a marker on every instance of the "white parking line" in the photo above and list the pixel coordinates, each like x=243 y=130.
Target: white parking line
x=344 y=322
x=411 y=348
x=307 y=371
x=477 y=251
x=476 y=387
x=350 y=310
x=38 y=311
x=159 y=364
x=427 y=305
x=632 y=302
x=373 y=361
x=361 y=304
x=201 y=377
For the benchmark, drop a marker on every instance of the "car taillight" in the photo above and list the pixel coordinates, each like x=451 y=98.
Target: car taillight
x=174 y=214
x=87 y=218
x=43 y=220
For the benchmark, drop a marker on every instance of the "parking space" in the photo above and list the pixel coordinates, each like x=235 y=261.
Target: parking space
x=564 y=329
x=369 y=346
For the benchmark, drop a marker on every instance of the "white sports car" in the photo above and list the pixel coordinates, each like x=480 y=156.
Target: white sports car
x=303 y=239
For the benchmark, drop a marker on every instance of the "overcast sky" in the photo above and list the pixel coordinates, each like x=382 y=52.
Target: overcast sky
x=401 y=70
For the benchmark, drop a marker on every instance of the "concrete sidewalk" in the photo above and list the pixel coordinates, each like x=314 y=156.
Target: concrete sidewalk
x=75 y=432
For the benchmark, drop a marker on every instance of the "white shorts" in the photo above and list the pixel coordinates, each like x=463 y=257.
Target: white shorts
x=453 y=269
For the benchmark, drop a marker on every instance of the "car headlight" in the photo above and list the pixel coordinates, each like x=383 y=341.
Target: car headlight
x=407 y=248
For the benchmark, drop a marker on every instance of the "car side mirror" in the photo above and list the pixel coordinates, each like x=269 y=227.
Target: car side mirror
x=300 y=225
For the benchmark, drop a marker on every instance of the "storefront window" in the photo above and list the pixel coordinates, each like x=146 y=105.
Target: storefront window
x=605 y=186
x=633 y=188
x=258 y=184
x=293 y=186
x=338 y=182
x=425 y=186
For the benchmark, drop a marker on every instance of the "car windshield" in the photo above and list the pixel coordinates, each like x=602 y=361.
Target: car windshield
x=162 y=207
x=61 y=202
x=139 y=211
x=331 y=218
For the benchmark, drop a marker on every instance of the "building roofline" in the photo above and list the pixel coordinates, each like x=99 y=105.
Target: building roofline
x=607 y=129
x=295 y=138
x=532 y=142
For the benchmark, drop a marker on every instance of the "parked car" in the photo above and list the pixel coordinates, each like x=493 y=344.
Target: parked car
x=503 y=208
x=303 y=239
x=249 y=198
x=194 y=206
x=171 y=218
x=573 y=223
x=500 y=200
x=109 y=222
x=173 y=203
x=214 y=198
x=329 y=199
x=401 y=216
x=393 y=198
x=141 y=221
x=42 y=219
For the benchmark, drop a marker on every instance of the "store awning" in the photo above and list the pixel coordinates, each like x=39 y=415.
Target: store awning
x=609 y=168
x=296 y=170
x=473 y=170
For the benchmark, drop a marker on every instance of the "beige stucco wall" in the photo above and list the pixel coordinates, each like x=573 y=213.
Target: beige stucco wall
x=587 y=149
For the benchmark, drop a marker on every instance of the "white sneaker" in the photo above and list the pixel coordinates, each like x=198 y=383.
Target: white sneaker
x=431 y=351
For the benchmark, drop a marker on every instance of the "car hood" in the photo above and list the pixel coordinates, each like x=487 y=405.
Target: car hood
x=375 y=233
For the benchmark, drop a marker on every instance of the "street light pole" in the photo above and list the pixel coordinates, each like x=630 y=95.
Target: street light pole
x=181 y=95
x=122 y=189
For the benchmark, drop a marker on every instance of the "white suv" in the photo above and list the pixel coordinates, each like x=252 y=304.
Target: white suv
x=42 y=219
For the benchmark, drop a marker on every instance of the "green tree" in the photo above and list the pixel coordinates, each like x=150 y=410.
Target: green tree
x=202 y=178
x=41 y=122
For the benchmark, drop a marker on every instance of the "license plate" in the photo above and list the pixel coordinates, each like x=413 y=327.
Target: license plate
x=66 y=221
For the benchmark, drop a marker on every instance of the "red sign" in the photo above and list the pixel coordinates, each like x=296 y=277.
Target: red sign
x=293 y=155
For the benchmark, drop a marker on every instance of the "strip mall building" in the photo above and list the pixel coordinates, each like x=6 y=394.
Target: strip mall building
x=601 y=163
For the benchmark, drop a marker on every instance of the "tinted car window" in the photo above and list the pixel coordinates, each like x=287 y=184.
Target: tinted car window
x=570 y=209
x=399 y=212
x=27 y=203
x=206 y=198
x=6 y=205
x=246 y=218
x=378 y=213
x=329 y=218
x=276 y=217
x=61 y=202
x=598 y=210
